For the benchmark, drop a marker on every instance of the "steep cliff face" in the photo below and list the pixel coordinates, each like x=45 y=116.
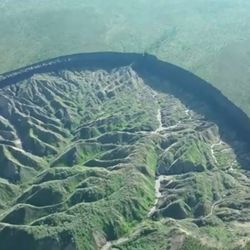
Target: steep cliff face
x=143 y=63
x=109 y=150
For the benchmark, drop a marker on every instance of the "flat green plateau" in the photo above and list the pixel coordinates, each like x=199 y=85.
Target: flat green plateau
x=209 y=38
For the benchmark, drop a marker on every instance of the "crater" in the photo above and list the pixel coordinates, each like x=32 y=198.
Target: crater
x=120 y=138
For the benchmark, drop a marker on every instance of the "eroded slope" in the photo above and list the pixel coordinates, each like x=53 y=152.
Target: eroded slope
x=97 y=159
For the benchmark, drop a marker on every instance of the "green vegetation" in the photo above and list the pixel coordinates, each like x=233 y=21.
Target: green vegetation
x=208 y=38
x=193 y=244
x=95 y=159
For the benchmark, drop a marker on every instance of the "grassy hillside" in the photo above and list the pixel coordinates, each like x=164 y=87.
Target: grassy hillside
x=208 y=37
x=106 y=159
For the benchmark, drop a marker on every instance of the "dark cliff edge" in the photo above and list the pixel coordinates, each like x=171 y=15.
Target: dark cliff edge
x=234 y=116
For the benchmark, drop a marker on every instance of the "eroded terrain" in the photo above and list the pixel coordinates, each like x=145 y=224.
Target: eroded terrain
x=95 y=159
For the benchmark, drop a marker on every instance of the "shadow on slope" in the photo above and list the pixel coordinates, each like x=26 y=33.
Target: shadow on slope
x=228 y=117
